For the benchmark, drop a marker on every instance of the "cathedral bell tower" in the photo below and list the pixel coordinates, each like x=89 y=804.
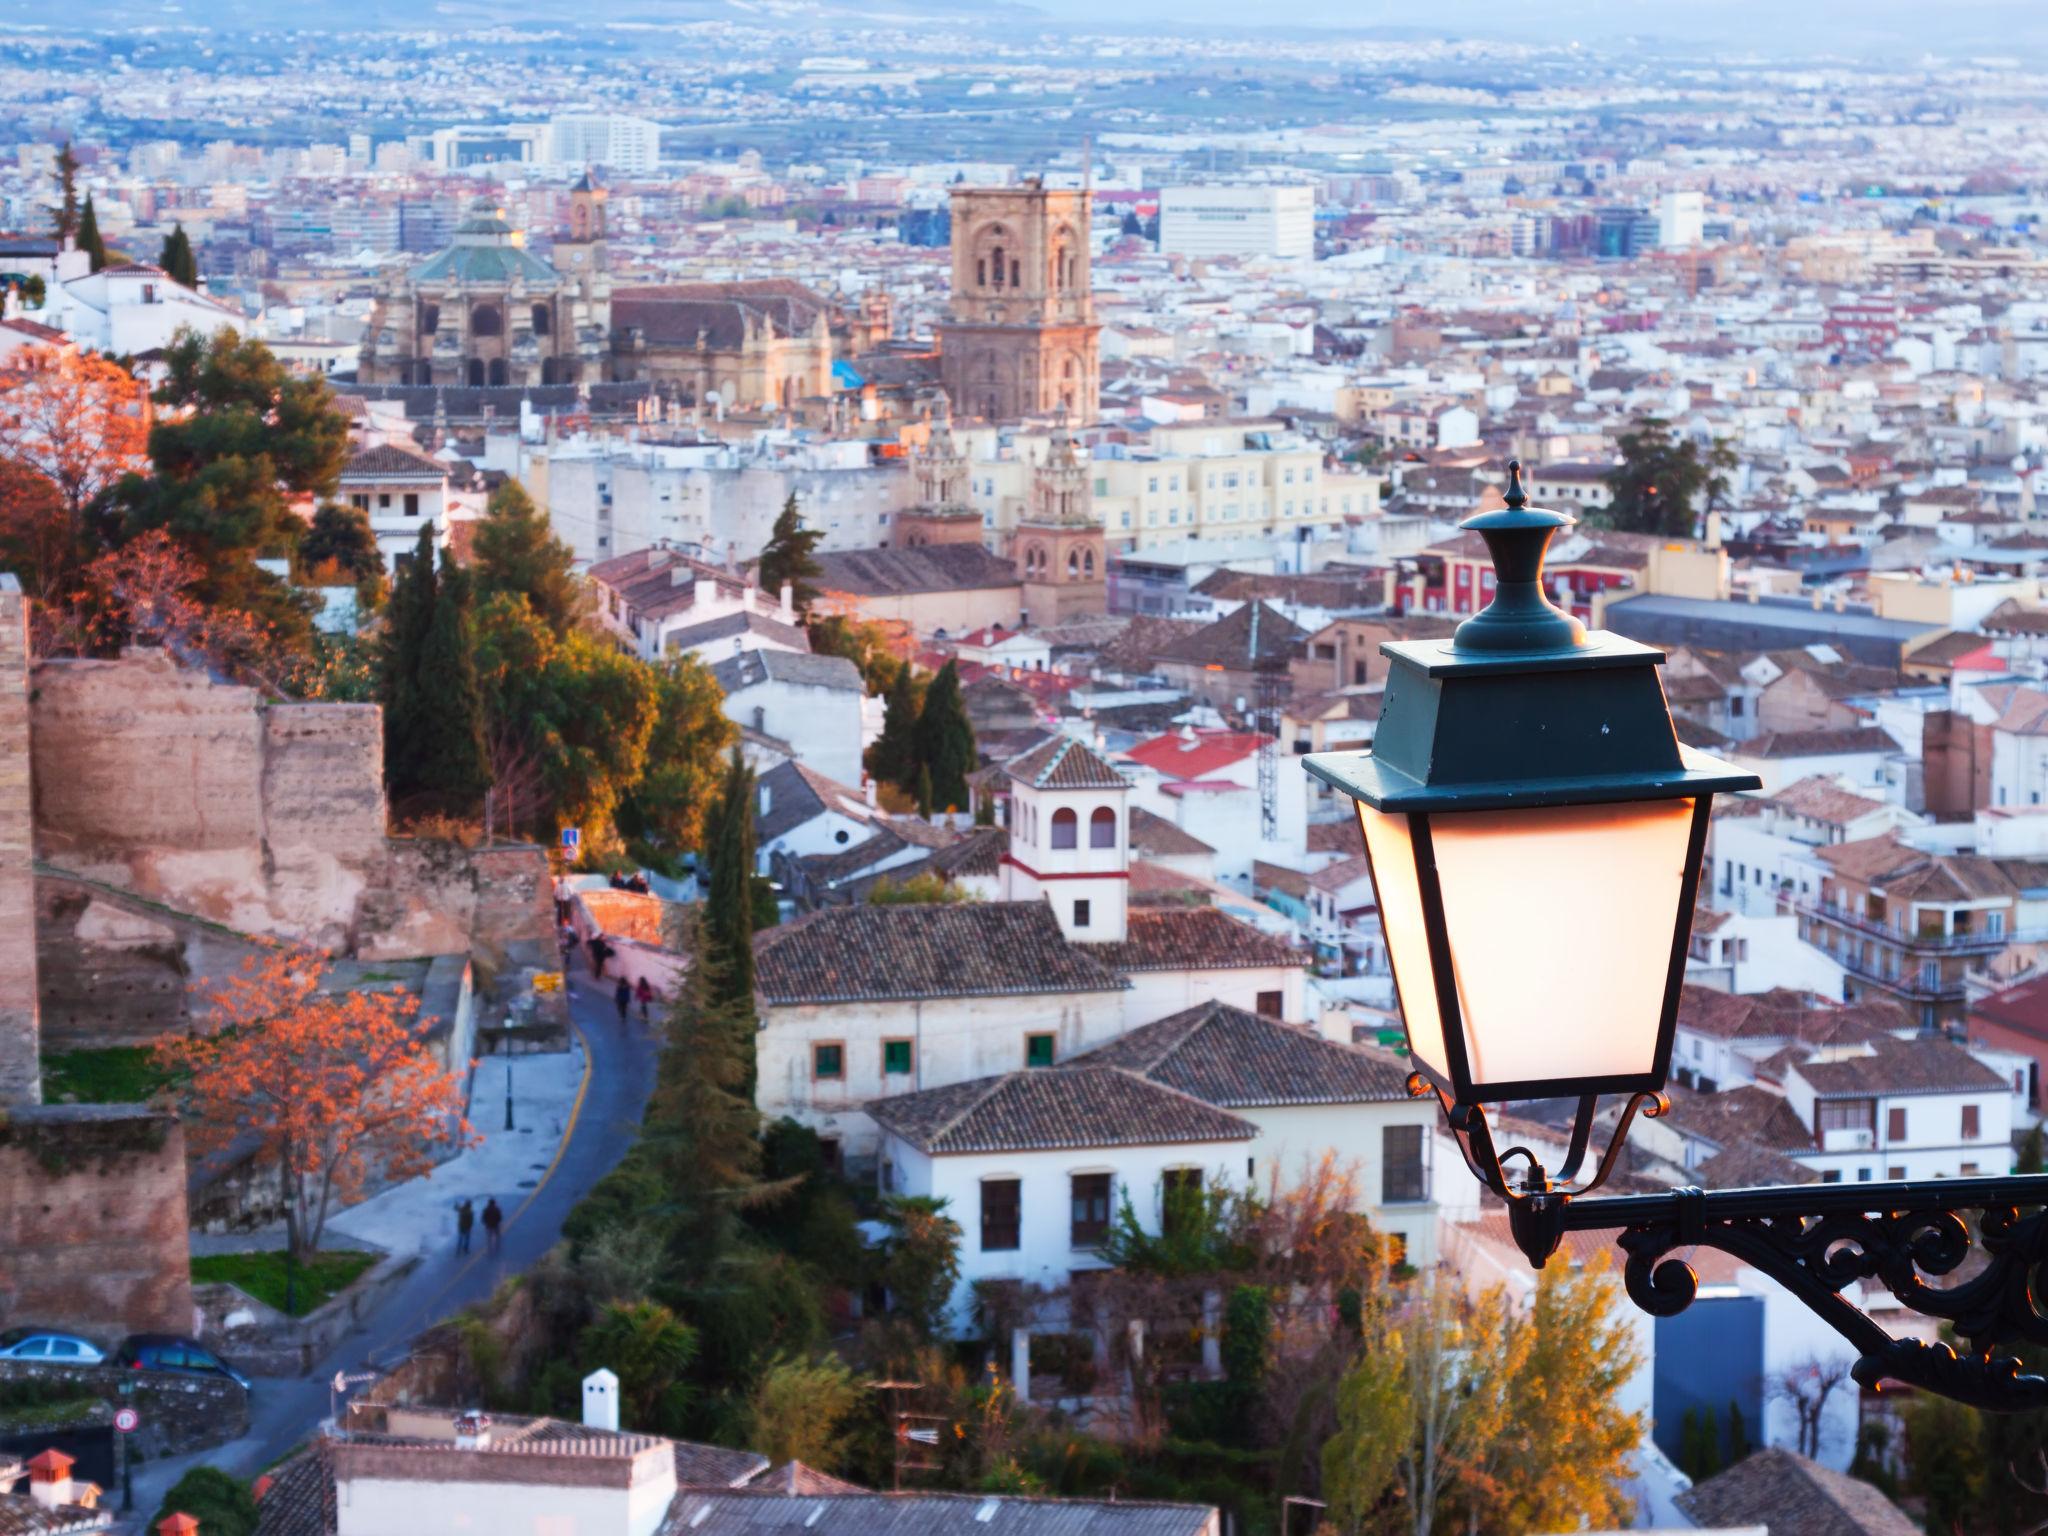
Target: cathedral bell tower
x=1058 y=544
x=943 y=514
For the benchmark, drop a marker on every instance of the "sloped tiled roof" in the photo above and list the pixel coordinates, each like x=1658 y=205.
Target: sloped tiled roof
x=718 y=314
x=390 y=461
x=1199 y=939
x=1237 y=1060
x=745 y=1513
x=929 y=568
x=1928 y=1064
x=751 y=668
x=1786 y=1492
x=975 y=949
x=1825 y=800
x=1252 y=633
x=1777 y=744
x=715 y=1466
x=1156 y=837
x=746 y=622
x=1737 y=1115
x=1041 y=1109
x=795 y=1477
x=1065 y=763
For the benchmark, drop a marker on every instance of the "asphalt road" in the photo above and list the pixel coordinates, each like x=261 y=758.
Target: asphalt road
x=287 y=1410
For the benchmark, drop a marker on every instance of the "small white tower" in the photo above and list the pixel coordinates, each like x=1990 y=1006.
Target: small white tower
x=601 y=1400
x=1070 y=839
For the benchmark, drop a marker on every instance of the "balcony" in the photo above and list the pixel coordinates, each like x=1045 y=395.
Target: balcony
x=1911 y=983
x=1855 y=1138
x=1978 y=943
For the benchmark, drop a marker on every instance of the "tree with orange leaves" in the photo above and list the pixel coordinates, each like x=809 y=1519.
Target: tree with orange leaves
x=80 y=424
x=335 y=1086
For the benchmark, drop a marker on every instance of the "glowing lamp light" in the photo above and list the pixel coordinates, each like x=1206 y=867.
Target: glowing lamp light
x=1535 y=832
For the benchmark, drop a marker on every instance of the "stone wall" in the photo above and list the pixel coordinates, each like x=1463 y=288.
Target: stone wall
x=179 y=1413
x=268 y=818
x=92 y=1219
x=20 y=1064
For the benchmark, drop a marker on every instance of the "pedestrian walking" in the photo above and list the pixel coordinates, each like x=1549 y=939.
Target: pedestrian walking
x=644 y=990
x=465 y=1218
x=493 y=1219
x=622 y=999
x=569 y=941
x=600 y=951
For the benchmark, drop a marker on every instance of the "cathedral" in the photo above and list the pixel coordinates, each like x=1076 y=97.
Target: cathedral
x=488 y=312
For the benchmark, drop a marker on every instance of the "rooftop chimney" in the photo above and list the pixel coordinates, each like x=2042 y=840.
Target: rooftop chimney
x=601 y=1400
x=49 y=1478
x=473 y=1430
x=767 y=798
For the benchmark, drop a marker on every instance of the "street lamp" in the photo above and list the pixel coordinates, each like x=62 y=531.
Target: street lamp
x=1535 y=832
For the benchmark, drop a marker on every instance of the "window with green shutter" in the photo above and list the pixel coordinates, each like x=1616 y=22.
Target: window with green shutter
x=1038 y=1050
x=828 y=1061
x=896 y=1057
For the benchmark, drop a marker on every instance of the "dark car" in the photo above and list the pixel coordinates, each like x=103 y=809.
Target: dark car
x=169 y=1352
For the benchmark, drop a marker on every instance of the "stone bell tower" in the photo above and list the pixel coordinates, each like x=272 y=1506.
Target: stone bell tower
x=1058 y=544
x=943 y=514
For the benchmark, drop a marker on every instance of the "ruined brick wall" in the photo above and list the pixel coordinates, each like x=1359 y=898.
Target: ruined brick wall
x=92 y=1219
x=268 y=818
x=20 y=1071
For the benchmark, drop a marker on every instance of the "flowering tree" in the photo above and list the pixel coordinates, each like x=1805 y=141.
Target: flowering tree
x=334 y=1085
x=80 y=424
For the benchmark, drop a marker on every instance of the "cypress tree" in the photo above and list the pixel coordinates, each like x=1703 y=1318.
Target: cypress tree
x=454 y=769
x=727 y=946
x=788 y=557
x=924 y=790
x=408 y=617
x=945 y=740
x=66 y=217
x=89 y=239
x=893 y=757
x=177 y=259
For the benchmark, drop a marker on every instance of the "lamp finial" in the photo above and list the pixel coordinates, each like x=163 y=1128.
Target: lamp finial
x=1516 y=498
x=1521 y=616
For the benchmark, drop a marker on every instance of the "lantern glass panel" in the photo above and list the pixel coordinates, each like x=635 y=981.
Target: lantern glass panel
x=1561 y=922
x=1392 y=851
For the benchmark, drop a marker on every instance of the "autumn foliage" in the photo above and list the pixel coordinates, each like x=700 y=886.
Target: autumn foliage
x=334 y=1086
x=77 y=426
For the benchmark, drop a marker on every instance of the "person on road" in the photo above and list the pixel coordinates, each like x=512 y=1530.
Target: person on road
x=622 y=999
x=465 y=1218
x=569 y=942
x=600 y=951
x=644 y=990
x=493 y=1219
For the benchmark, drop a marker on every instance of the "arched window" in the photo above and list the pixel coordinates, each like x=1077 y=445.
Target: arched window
x=1087 y=562
x=430 y=319
x=1073 y=562
x=547 y=371
x=997 y=262
x=540 y=320
x=476 y=373
x=485 y=320
x=1066 y=828
x=1102 y=828
x=499 y=377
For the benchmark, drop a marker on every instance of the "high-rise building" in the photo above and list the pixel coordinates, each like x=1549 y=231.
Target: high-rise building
x=1277 y=221
x=628 y=144
x=1681 y=220
x=1019 y=337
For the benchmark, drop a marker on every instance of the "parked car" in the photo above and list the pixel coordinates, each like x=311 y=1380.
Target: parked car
x=43 y=1344
x=169 y=1352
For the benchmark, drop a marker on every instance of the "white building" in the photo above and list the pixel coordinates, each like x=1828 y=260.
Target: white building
x=1896 y=1109
x=628 y=144
x=400 y=490
x=1277 y=221
x=810 y=703
x=662 y=603
x=129 y=309
x=1069 y=824
x=1681 y=220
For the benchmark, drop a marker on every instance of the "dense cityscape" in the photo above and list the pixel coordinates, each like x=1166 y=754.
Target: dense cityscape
x=701 y=713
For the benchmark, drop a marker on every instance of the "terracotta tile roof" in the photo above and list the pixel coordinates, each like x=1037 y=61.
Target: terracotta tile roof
x=1861 y=738
x=931 y=568
x=2025 y=714
x=1821 y=798
x=2022 y=1008
x=1789 y=1493
x=21 y=1515
x=715 y=1466
x=2009 y=618
x=1784 y=1014
x=1339 y=836
x=1928 y=1064
x=795 y=1477
x=1277 y=877
x=1159 y=885
x=747 y=622
x=1241 y=639
x=1748 y=1166
x=299 y=1498
x=1334 y=877
x=1065 y=763
x=387 y=460
x=716 y=315
x=1738 y=1115
x=1042 y=1109
x=1156 y=837
x=1237 y=1060
x=749 y=669
x=976 y=949
x=1201 y=939
x=1142 y=639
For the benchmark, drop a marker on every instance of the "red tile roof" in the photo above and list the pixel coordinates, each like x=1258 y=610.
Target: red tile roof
x=1195 y=756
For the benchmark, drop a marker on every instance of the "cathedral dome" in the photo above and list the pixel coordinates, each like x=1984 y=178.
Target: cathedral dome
x=487 y=252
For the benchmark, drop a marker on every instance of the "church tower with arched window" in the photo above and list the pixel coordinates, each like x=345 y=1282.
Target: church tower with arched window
x=1019 y=338
x=1058 y=544
x=944 y=513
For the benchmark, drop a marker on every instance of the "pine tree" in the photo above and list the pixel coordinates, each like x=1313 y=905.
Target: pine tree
x=453 y=768
x=893 y=757
x=945 y=739
x=177 y=259
x=788 y=557
x=89 y=239
x=408 y=618
x=516 y=552
x=67 y=192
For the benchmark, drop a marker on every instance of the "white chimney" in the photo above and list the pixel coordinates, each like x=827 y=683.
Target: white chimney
x=704 y=593
x=788 y=603
x=767 y=798
x=601 y=1400
x=473 y=1430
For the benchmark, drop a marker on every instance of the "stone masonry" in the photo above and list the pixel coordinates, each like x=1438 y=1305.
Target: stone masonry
x=20 y=1066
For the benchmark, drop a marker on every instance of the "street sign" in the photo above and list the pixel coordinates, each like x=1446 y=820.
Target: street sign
x=127 y=1420
x=572 y=838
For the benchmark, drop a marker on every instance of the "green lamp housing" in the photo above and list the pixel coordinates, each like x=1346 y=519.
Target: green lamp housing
x=1535 y=832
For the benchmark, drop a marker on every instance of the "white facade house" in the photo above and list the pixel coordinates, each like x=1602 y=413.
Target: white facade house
x=800 y=812
x=660 y=602
x=1920 y=1109
x=400 y=490
x=811 y=703
x=130 y=309
x=1744 y=952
